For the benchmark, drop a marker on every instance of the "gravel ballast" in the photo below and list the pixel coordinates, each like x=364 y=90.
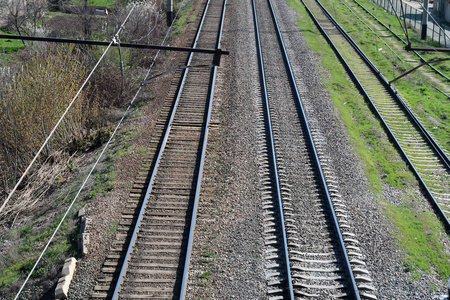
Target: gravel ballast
x=228 y=252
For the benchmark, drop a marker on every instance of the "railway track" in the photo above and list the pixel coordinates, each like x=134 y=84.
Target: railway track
x=427 y=160
x=150 y=257
x=299 y=191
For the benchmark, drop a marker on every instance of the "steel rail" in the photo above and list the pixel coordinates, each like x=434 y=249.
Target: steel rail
x=400 y=39
x=386 y=127
x=212 y=81
x=272 y=149
x=354 y=287
x=158 y=159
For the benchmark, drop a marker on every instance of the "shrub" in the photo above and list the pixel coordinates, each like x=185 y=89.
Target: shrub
x=33 y=102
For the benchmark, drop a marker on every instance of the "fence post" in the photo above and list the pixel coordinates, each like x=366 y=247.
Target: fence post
x=440 y=35
x=432 y=35
x=415 y=18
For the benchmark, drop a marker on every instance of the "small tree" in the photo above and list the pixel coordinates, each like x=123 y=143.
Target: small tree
x=23 y=15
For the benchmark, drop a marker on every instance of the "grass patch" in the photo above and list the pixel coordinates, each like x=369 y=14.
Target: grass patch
x=185 y=16
x=20 y=260
x=10 y=46
x=103 y=182
x=418 y=234
x=105 y=3
x=209 y=254
x=112 y=228
x=379 y=157
x=205 y=275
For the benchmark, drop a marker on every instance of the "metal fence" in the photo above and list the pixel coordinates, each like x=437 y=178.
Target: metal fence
x=414 y=20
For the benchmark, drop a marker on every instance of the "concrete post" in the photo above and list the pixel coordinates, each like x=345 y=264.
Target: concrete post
x=448 y=287
x=424 y=20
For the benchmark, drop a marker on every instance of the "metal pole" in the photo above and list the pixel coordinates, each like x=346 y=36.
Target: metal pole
x=424 y=20
x=169 y=12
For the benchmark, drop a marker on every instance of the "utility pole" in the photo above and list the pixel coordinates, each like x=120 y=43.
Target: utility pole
x=424 y=20
x=169 y=12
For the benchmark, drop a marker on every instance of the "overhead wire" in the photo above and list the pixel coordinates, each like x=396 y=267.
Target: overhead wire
x=63 y=115
x=101 y=154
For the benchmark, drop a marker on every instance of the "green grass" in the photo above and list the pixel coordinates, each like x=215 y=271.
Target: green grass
x=380 y=159
x=21 y=261
x=205 y=275
x=103 y=182
x=185 y=16
x=105 y=3
x=112 y=228
x=10 y=46
x=418 y=234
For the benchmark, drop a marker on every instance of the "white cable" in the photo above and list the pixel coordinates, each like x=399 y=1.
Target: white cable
x=101 y=154
x=62 y=116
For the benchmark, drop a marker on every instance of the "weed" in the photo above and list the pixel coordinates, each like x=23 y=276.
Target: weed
x=185 y=16
x=205 y=275
x=204 y=261
x=24 y=230
x=142 y=150
x=202 y=284
x=112 y=228
x=105 y=3
x=103 y=182
x=209 y=254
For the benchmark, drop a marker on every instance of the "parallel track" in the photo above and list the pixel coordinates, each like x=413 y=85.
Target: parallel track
x=323 y=259
x=426 y=158
x=158 y=241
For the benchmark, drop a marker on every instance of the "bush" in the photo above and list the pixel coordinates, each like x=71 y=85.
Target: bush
x=32 y=104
